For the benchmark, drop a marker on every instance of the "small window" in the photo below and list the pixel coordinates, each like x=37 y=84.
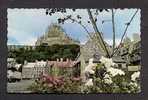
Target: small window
x=120 y=65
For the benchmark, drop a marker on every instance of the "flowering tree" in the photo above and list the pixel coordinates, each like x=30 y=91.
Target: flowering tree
x=108 y=79
x=51 y=84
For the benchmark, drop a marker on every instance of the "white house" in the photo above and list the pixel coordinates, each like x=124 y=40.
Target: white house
x=28 y=70
x=33 y=69
x=39 y=68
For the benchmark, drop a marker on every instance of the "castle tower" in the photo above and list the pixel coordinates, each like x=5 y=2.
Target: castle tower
x=55 y=35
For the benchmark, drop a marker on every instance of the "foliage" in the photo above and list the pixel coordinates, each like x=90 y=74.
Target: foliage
x=45 y=52
x=108 y=79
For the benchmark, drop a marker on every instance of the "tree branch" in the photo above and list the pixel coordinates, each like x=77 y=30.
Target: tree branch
x=113 y=25
x=90 y=36
x=100 y=39
x=82 y=26
x=125 y=31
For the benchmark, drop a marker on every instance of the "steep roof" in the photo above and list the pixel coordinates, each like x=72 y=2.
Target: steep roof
x=55 y=35
x=90 y=50
x=29 y=65
x=62 y=64
x=41 y=63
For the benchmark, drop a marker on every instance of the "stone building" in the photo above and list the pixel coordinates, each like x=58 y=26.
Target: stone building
x=55 y=35
x=11 y=62
x=135 y=57
x=90 y=50
x=131 y=52
x=39 y=68
x=67 y=68
x=28 y=70
x=33 y=69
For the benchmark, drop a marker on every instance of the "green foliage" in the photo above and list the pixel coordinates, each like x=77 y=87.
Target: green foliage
x=45 y=53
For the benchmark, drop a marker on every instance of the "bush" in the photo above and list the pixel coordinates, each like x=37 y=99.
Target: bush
x=50 y=84
x=108 y=79
x=45 y=53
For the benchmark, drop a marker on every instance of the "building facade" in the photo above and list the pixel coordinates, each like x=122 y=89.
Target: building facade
x=66 y=68
x=28 y=70
x=39 y=68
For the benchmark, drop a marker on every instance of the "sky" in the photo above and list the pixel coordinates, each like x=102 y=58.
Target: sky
x=26 y=25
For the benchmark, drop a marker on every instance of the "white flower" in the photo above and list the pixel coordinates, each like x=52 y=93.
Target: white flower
x=115 y=71
x=9 y=73
x=89 y=82
x=107 y=76
x=107 y=62
x=107 y=79
x=91 y=61
x=90 y=66
x=135 y=75
x=133 y=84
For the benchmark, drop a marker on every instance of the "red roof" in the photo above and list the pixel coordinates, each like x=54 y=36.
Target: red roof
x=62 y=63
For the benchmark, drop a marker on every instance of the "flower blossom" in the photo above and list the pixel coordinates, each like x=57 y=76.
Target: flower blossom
x=107 y=79
x=90 y=66
x=115 y=71
x=133 y=84
x=89 y=82
x=135 y=75
x=107 y=62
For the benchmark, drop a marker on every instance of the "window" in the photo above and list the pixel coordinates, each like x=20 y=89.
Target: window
x=120 y=65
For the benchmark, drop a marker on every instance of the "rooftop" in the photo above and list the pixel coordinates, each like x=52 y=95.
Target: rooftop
x=62 y=63
x=29 y=65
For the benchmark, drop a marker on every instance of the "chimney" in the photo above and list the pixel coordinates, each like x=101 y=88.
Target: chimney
x=36 y=61
x=61 y=59
x=57 y=59
x=67 y=60
x=70 y=60
x=25 y=62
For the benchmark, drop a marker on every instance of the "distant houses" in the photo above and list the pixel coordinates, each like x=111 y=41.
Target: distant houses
x=17 y=47
x=129 y=53
x=66 y=68
x=28 y=70
x=53 y=68
x=10 y=62
x=33 y=70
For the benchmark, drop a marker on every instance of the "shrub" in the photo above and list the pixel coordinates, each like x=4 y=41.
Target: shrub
x=50 y=84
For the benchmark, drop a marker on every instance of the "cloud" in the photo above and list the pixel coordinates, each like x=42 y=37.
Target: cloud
x=21 y=37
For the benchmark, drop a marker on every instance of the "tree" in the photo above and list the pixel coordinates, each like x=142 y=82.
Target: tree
x=93 y=17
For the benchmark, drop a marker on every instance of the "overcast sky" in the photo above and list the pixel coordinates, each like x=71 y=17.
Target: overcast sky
x=26 y=25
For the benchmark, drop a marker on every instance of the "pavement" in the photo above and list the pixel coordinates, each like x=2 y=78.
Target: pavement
x=19 y=87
